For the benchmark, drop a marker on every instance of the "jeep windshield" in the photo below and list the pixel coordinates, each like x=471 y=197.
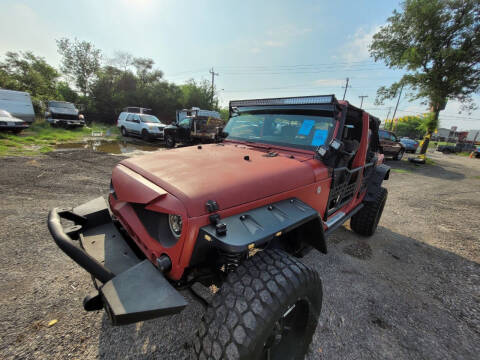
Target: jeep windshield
x=303 y=131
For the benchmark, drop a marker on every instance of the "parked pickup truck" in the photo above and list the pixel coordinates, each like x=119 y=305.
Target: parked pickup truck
x=194 y=125
x=62 y=113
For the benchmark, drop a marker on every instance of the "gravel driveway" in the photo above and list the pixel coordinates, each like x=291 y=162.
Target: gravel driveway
x=412 y=291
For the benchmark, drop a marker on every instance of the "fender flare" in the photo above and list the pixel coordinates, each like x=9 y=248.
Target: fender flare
x=382 y=172
x=257 y=227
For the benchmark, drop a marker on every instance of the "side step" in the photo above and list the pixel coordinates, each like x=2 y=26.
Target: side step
x=339 y=219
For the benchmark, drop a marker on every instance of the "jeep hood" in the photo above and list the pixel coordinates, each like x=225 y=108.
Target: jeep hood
x=220 y=172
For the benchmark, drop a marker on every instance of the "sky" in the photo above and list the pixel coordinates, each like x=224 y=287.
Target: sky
x=258 y=48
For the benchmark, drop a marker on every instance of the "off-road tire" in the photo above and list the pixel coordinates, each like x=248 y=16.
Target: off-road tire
x=250 y=303
x=124 y=131
x=366 y=220
x=399 y=155
x=169 y=141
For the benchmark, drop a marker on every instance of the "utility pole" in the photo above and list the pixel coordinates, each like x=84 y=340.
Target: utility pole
x=396 y=107
x=362 y=97
x=346 y=87
x=213 y=81
x=389 y=109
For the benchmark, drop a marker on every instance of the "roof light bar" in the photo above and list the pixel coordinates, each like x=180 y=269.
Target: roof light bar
x=304 y=100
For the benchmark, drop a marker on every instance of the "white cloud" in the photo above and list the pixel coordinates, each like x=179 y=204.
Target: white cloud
x=356 y=48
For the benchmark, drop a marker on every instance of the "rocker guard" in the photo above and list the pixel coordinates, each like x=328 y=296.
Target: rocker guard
x=131 y=289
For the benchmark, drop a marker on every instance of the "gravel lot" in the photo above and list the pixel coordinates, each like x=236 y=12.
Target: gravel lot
x=412 y=291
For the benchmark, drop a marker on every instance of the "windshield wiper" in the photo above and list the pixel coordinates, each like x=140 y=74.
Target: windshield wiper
x=258 y=144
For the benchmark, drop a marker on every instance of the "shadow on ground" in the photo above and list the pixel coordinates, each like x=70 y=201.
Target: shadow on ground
x=430 y=170
x=389 y=296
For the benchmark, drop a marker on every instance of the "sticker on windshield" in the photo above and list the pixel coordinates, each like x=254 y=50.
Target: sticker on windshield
x=306 y=127
x=319 y=137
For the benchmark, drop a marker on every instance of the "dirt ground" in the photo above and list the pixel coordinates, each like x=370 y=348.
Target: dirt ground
x=412 y=291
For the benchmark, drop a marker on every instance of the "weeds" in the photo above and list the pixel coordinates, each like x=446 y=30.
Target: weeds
x=40 y=138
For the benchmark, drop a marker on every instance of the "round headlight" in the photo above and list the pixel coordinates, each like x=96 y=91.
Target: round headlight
x=175 y=222
x=81 y=117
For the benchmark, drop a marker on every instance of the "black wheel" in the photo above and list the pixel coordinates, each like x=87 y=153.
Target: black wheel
x=145 y=135
x=169 y=141
x=399 y=155
x=268 y=308
x=124 y=131
x=366 y=220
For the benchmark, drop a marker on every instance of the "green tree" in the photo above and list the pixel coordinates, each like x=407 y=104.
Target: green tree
x=66 y=93
x=26 y=72
x=438 y=43
x=145 y=71
x=198 y=94
x=80 y=61
x=409 y=126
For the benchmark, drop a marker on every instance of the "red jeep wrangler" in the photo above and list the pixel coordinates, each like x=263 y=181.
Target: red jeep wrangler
x=238 y=215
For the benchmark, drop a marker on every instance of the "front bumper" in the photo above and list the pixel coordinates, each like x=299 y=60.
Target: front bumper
x=129 y=288
x=13 y=128
x=67 y=122
x=156 y=135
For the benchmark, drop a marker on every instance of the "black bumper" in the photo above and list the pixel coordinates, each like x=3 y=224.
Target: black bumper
x=130 y=289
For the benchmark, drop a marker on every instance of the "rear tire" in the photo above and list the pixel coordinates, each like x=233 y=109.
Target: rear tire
x=267 y=309
x=365 y=222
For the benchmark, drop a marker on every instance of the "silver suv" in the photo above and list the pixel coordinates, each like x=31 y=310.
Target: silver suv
x=145 y=125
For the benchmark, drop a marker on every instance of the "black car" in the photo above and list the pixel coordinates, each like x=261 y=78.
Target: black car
x=194 y=128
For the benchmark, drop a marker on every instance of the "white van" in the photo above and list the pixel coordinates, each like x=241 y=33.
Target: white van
x=145 y=125
x=18 y=104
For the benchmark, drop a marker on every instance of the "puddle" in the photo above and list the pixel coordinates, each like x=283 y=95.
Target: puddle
x=111 y=147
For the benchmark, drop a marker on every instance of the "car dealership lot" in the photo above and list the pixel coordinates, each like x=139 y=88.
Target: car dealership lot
x=410 y=291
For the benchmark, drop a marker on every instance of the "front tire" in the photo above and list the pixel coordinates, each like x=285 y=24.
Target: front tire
x=365 y=222
x=145 y=135
x=268 y=308
x=123 y=131
x=169 y=141
x=399 y=155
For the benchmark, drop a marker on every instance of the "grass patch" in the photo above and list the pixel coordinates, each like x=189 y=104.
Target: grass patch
x=476 y=177
x=429 y=161
x=40 y=137
x=401 y=171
